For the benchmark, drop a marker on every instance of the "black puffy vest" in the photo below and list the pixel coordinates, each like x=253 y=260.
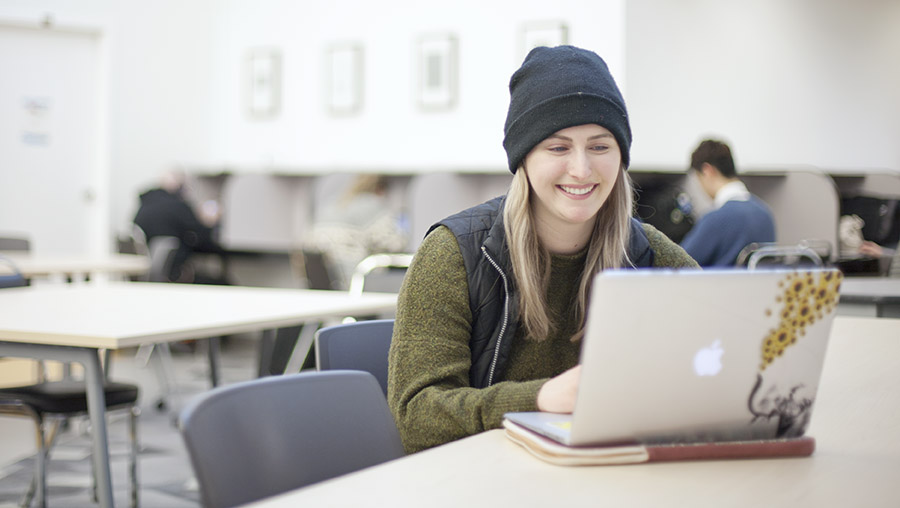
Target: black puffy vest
x=493 y=296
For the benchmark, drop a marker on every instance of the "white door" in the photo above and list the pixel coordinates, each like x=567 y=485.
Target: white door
x=49 y=138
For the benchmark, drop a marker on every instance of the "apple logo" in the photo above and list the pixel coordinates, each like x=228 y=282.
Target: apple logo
x=708 y=360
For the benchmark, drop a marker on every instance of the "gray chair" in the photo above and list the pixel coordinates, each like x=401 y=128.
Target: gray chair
x=15 y=243
x=362 y=345
x=255 y=439
x=162 y=250
x=18 y=245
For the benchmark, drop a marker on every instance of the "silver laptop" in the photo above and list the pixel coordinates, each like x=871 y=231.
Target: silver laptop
x=690 y=355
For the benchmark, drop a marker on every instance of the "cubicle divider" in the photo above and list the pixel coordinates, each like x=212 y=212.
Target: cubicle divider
x=271 y=212
x=804 y=202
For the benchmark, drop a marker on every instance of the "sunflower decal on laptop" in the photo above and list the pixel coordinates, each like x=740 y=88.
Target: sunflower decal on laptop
x=803 y=298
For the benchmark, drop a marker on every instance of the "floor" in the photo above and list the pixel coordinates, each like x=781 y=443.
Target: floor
x=164 y=472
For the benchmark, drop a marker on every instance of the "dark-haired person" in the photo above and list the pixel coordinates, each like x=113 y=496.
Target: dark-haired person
x=738 y=218
x=492 y=309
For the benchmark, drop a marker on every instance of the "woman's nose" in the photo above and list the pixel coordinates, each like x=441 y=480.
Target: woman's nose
x=579 y=165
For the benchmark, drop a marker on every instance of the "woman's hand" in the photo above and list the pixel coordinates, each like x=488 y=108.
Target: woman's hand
x=558 y=394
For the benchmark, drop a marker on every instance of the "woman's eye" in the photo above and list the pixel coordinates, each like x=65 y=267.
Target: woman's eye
x=600 y=148
x=557 y=149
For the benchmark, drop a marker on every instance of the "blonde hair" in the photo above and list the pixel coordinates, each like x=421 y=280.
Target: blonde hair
x=531 y=260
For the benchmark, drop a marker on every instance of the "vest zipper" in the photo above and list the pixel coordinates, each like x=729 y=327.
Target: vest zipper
x=505 y=315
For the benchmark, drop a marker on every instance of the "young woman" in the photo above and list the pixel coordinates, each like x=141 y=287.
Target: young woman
x=492 y=310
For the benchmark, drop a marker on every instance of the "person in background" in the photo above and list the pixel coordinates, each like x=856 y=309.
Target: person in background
x=164 y=211
x=738 y=218
x=492 y=310
x=361 y=222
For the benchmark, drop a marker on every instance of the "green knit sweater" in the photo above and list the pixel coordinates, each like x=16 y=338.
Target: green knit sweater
x=428 y=378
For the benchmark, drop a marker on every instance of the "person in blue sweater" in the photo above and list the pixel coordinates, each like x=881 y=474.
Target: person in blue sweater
x=738 y=218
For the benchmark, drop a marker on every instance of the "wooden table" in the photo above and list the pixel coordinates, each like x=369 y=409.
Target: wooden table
x=71 y=323
x=857 y=462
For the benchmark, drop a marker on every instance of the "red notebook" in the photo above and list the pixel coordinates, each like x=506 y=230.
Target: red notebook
x=556 y=453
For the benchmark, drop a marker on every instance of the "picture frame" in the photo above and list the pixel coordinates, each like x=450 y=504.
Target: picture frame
x=344 y=76
x=543 y=33
x=437 y=71
x=263 y=82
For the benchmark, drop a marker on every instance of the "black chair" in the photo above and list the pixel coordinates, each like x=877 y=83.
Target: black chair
x=362 y=345
x=49 y=403
x=270 y=435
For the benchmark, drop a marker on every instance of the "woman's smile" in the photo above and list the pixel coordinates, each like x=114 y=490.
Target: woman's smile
x=578 y=191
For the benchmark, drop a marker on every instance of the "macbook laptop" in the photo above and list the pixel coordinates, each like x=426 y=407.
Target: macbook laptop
x=690 y=356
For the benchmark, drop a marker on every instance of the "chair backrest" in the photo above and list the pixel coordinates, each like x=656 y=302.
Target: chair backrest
x=270 y=435
x=15 y=243
x=316 y=269
x=14 y=277
x=389 y=268
x=362 y=345
x=805 y=253
x=790 y=255
x=162 y=255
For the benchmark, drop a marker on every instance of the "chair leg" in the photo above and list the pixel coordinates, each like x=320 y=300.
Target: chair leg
x=213 y=352
x=164 y=368
x=133 y=415
x=38 y=486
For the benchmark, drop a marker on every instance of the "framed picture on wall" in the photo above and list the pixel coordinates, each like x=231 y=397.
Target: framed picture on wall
x=264 y=82
x=344 y=75
x=437 y=71
x=543 y=33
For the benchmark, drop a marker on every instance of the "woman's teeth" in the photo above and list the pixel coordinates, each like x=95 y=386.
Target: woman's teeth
x=577 y=191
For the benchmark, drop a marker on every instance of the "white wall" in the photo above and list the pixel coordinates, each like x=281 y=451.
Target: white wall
x=157 y=88
x=390 y=132
x=787 y=81
x=809 y=82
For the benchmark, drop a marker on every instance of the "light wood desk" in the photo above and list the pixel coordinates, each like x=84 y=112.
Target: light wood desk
x=857 y=462
x=79 y=268
x=870 y=296
x=70 y=323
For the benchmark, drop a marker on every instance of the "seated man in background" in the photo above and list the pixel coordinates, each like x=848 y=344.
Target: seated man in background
x=164 y=212
x=738 y=218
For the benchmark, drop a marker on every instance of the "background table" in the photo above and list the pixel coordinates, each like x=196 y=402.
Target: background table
x=71 y=323
x=857 y=461
x=78 y=268
x=870 y=296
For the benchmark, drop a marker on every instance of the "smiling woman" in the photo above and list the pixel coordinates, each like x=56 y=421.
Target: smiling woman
x=491 y=312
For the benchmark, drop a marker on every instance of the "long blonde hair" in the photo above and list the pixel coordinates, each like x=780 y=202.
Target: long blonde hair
x=531 y=260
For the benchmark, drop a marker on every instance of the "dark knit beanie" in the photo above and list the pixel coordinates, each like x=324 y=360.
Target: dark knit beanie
x=558 y=88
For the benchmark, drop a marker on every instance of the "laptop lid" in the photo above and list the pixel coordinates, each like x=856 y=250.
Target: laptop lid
x=689 y=355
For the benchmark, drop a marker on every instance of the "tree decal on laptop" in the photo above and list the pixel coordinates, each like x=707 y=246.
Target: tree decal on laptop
x=804 y=298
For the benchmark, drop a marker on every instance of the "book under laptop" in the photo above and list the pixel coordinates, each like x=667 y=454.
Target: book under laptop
x=690 y=356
